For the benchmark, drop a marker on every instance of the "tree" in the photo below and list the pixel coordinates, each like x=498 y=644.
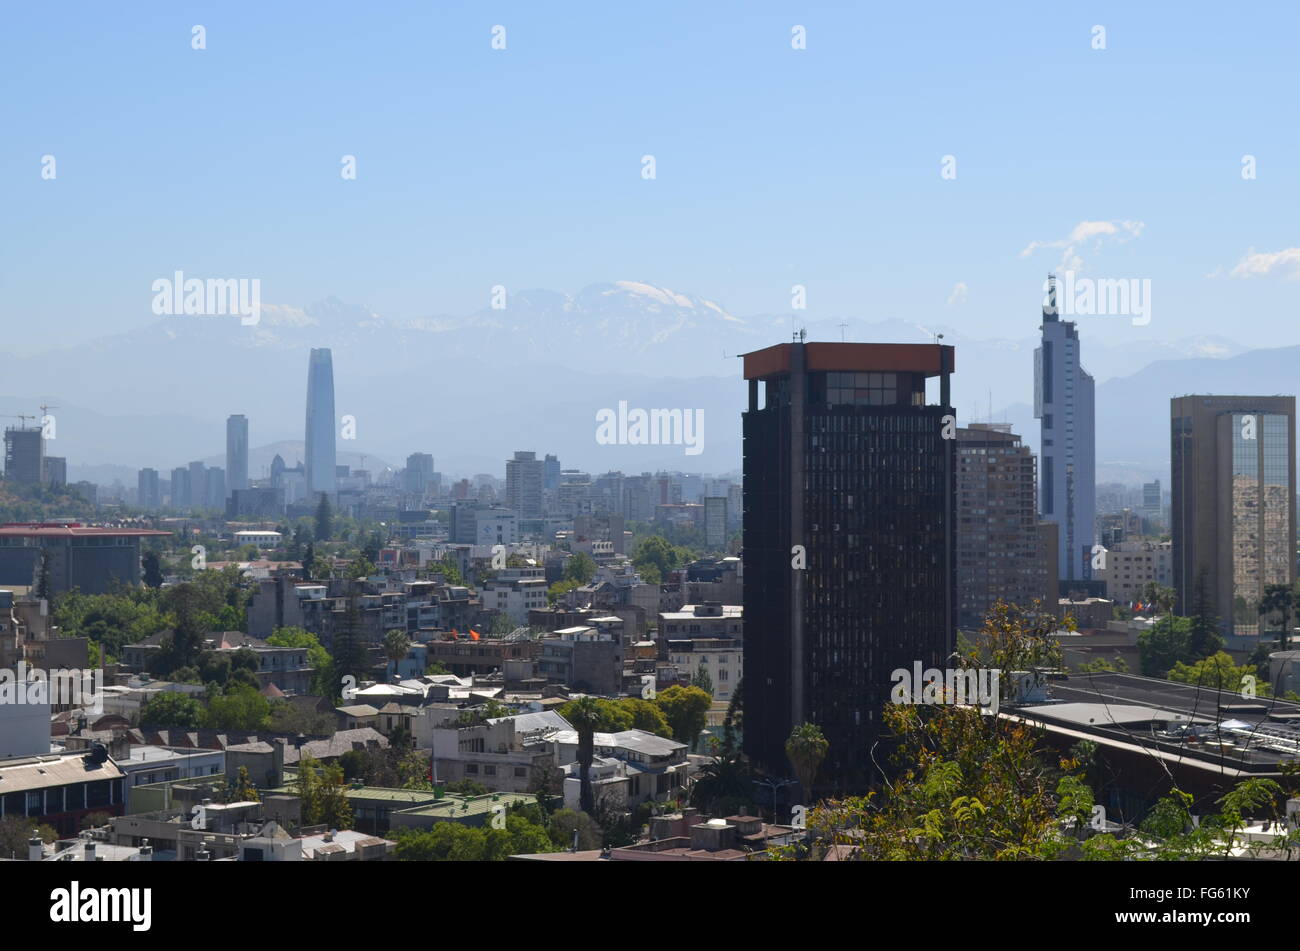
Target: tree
x=15 y=833
x=584 y=714
x=449 y=570
x=654 y=558
x=172 y=709
x=734 y=721
x=349 y=650
x=723 y=785
x=1167 y=643
x=702 y=679
x=1204 y=638
x=396 y=646
x=151 y=566
x=566 y=822
x=43 y=576
x=647 y=716
x=1218 y=672
x=240 y=708
x=806 y=748
x=244 y=790
x=321 y=789
x=308 y=561
x=580 y=568
x=686 y=710
x=610 y=715
x=1163 y=598
x=1281 y=600
x=324 y=529
x=559 y=590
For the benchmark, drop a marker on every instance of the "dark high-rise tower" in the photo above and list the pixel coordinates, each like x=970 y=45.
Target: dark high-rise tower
x=847 y=473
x=320 y=423
x=236 y=453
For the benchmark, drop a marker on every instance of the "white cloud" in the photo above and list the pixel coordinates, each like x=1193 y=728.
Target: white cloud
x=1285 y=263
x=958 y=295
x=1081 y=234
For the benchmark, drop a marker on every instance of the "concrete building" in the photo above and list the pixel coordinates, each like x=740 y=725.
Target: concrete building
x=997 y=524
x=1132 y=566
x=236 y=454
x=55 y=471
x=79 y=556
x=1233 y=515
x=524 y=484
x=148 y=495
x=514 y=592
x=584 y=659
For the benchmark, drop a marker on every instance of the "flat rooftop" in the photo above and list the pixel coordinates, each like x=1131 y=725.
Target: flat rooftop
x=923 y=358
x=1173 y=721
x=70 y=530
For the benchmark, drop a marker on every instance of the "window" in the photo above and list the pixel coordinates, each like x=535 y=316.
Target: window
x=471 y=768
x=489 y=770
x=521 y=772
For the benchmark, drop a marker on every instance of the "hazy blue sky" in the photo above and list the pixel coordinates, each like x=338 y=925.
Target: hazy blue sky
x=522 y=167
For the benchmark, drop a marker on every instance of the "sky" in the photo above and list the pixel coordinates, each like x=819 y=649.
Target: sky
x=774 y=166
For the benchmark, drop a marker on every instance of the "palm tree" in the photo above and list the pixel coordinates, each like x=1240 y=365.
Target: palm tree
x=1162 y=597
x=806 y=749
x=584 y=714
x=727 y=777
x=396 y=647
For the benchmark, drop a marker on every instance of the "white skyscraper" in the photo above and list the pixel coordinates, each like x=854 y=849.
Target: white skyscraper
x=320 y=423
x=1063 y=401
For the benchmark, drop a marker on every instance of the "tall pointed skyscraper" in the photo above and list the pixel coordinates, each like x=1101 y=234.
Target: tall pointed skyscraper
x=236 y=453
x=1063 y=400
x=320 y=423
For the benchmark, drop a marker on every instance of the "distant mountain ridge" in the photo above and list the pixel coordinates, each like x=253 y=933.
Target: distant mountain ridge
x=473 y=389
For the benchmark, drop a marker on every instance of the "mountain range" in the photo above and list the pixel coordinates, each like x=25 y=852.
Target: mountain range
x=533 y=375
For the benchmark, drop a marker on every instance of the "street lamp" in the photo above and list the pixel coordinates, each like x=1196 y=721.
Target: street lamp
x=774 y=785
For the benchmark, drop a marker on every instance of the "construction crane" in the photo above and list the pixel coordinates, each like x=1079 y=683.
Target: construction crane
x=19 y=416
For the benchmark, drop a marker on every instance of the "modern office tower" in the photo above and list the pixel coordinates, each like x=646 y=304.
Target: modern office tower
x=715 y=522
x=1152 y=501
x=198 y=485
x=236 y=453
x=524 y=484
x=419 y=473
x=849 y=549
x=462 y=526
x=551 y=473
x=24 y=454
x=91 y=558
x=147 y=490
x=997 y=523
x=321 y=461
x=1233 y=512
x=215 y=487
x=180 y=488
x=55 y=470
x=1063 y=400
